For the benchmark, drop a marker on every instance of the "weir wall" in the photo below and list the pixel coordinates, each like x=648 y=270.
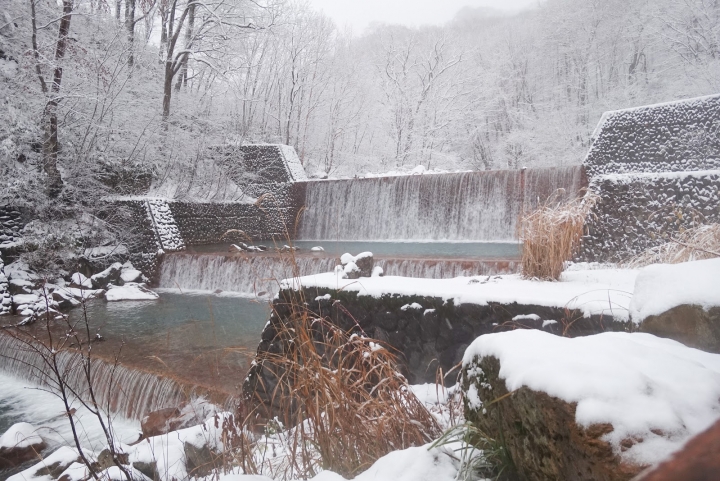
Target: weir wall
x=656 y=170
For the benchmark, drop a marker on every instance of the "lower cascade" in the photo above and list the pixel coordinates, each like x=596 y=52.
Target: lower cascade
x=129 y=392
x=261 y=274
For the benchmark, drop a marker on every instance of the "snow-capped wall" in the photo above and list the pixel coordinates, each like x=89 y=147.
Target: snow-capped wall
x=168 y=235
x=670 y=137
x=657 y=171
x=261 y=168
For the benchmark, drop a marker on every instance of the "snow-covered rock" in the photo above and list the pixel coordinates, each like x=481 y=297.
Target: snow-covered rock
x=130 y=292
x=61 y=460
x=131 y=275
x=357 y=266
x=79 y=280
x=317 y=249
x=639 y=395
x=18 y=444
x=660 y=287
x=109 y=275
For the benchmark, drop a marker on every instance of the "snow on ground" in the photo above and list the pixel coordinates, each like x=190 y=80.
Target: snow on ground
x=421 y=463
x=20 y=435
x=661 y=287
x=655 y=391
x=592 y=291
x=130 y=292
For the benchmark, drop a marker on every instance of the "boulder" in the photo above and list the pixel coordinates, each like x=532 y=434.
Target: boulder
x=357 y=266
x=539 y=431
x=131 y=275
x=160 y=422
x=166 y=420
x=19 y=444
x=64 y=300
x=79 y=281
x=53 y=466
x=691 y=325
x=108 y=276
x=20 y=286
x=236 y=248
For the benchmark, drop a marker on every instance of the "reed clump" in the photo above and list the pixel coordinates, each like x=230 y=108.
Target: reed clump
x=551 y=234
x=697 y=243
x=343 y=397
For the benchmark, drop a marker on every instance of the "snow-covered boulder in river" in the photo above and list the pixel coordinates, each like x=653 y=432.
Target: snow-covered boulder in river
x=130 y=292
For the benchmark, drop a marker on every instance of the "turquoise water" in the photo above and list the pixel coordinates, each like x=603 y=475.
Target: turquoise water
x=462 y=250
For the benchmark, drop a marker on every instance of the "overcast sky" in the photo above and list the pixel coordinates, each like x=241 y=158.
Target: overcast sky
x=360 y=13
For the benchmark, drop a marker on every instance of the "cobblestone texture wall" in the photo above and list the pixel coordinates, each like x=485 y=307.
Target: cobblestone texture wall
x=657 y=171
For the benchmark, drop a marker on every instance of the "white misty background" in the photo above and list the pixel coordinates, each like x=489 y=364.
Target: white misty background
x=150 y=87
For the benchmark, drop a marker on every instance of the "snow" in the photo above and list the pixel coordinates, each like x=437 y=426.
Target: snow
x=548 y=322
x=130 y=292
x=82 y=293
x=292 y=163
x=527 y=317
x=130 y=275
x=414 y=306
x=80 y=280
x=420 y=463
x=20 y=435
x=63 y=456
x=104 y=251
x=639 y=383
x=25 y=299
x=317 y=249
x=661 y=287
x=592 y=291
x=649 y=177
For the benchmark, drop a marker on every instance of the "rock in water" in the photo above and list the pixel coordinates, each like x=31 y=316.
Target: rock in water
x=20 y=443
x=357 y=266
x=109 y=275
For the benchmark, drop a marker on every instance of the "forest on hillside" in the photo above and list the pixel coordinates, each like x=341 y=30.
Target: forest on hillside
x=104 y=97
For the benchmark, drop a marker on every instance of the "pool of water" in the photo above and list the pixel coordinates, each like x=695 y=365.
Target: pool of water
x=463 y=250
x=201 y=339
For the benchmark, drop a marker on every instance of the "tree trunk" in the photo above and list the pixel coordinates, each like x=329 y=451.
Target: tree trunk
x=130 y=27
x=50 y=145
x=183 y=77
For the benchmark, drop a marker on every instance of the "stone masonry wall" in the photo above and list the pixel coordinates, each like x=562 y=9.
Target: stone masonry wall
x=426 y=332
x=639 y=211
x=670 y=137
x=656 y=170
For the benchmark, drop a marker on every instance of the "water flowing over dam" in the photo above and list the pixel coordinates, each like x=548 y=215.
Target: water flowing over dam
x=130 y=392
x=467 y=206
x=260 y=274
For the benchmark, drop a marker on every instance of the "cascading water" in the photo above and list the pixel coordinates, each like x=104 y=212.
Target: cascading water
x=130 y=392
x=259 y=273
x=468 y=206
x=250 y=275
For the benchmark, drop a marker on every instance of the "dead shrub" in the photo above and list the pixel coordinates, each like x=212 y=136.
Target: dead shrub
x=343 y=398
x=697 y=243
x=551 y=234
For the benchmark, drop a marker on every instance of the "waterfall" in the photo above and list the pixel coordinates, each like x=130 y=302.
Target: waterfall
x=129 y=392
x=261 y=273
x=250 y=275
x=467 y=206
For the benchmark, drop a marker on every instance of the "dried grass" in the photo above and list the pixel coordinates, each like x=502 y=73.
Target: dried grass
x=551 y=234
x=697 y=243
x=344 y=398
